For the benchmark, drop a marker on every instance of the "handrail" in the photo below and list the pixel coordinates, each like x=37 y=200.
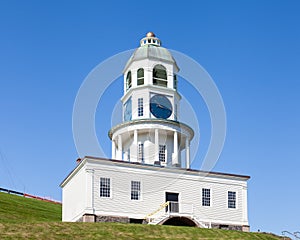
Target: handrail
x=162 y=206
x=293 y=234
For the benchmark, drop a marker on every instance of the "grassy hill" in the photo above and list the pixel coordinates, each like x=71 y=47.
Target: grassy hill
x=16 y=209
x=22 y=218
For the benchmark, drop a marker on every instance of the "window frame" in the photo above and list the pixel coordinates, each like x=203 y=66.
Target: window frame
x=231 y=196
x=175 y=82
x=157 y=80
x=128 y=80
x=206 y=197
x=135 y=190
x=104 y=191
x=141 y=156
x=141 y=78
x=162 y=153
x=140 y=107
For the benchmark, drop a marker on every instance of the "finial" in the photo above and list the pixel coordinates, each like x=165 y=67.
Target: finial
x=150 y=34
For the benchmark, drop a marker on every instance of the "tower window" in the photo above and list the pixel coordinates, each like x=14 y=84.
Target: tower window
x=140 y=107
x=128 y=81
x=104 y=187
x=135 y=190
x=160 y=76
x=205 y=197
x=231 y=199
x=162 y=153
x=175 y=81
x=141 y=152
x=140 y=77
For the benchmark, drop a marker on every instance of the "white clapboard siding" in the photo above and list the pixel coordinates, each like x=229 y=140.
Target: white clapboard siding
x=155 y=182
x=74 y=196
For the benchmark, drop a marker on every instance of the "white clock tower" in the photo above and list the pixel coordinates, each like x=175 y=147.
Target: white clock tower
x=145 y=181
x=150 y=132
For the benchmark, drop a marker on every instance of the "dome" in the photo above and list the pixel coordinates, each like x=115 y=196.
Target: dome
x=150 y=48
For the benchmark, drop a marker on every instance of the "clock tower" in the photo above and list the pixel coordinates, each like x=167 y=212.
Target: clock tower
x=151 y=132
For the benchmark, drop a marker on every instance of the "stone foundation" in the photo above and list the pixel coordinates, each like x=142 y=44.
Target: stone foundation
x=88 y=218
x=231 y=227
x=112 y=219
x=119 y=219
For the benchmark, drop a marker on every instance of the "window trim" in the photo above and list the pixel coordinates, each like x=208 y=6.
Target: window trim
x=162 y=152
x=140 y=107
x=141 y=154
x=128 y=80
x=138 y=190
x=231 y=200
x=105 y=192
x=206 y=198
x=139 y=79
x=157 y=81
x=175 y=82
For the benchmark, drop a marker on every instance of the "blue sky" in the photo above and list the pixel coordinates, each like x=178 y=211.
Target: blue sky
x=250 y=48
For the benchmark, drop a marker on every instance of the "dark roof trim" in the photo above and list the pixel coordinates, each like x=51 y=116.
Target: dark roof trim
x=150 y=165
x=189 y=170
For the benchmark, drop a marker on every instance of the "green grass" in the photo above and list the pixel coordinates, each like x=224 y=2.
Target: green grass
x=16 y=209
x=22 y=218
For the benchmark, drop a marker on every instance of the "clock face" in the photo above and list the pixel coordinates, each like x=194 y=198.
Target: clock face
x=127 y=110
x=160 y=106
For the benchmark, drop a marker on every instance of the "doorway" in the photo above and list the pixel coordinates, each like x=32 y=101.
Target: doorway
x=173 y=206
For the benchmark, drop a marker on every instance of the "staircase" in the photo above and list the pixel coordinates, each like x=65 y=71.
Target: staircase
x=158 y=219
x=173 y=210
x=202 y=224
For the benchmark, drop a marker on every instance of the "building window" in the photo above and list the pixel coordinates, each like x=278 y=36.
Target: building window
x=141 y=152
x=160 y=76
x=140 y=107
x=175 y=82
x=135 y=190
x=162 y=153
x=231 y=199
x=128 y=80
x=140 y=77
x=104 y=187
x=205 y=197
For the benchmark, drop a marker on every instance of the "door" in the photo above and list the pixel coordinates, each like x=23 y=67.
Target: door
x=173 y=205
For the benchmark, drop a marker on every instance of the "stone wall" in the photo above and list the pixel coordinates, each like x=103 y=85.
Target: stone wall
x=112 y=219
x=231 y=227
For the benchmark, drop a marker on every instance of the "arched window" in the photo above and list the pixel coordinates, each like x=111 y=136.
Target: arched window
x=140 y=77
x=160 y=76
x=128 y=80
x=175 y=82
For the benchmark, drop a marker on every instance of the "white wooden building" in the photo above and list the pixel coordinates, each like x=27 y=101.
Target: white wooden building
x=145 y=181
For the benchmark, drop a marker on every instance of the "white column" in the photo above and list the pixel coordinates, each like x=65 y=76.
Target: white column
x=113 y=149
x=125 y=157
x=89 y=206
x=244 y=205
x=187 y=153
x=119 y=151
x=156 y=147
x=147 y=76
x=175 y=152
x=135 y=145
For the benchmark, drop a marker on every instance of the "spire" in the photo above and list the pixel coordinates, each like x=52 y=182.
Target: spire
x=150 y=39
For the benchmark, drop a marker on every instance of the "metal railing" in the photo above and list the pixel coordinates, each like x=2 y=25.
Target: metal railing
x=170 y=208
x=28 y=195
x=291 y=234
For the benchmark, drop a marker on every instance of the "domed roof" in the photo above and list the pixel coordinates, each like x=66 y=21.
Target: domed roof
x=150 y=49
